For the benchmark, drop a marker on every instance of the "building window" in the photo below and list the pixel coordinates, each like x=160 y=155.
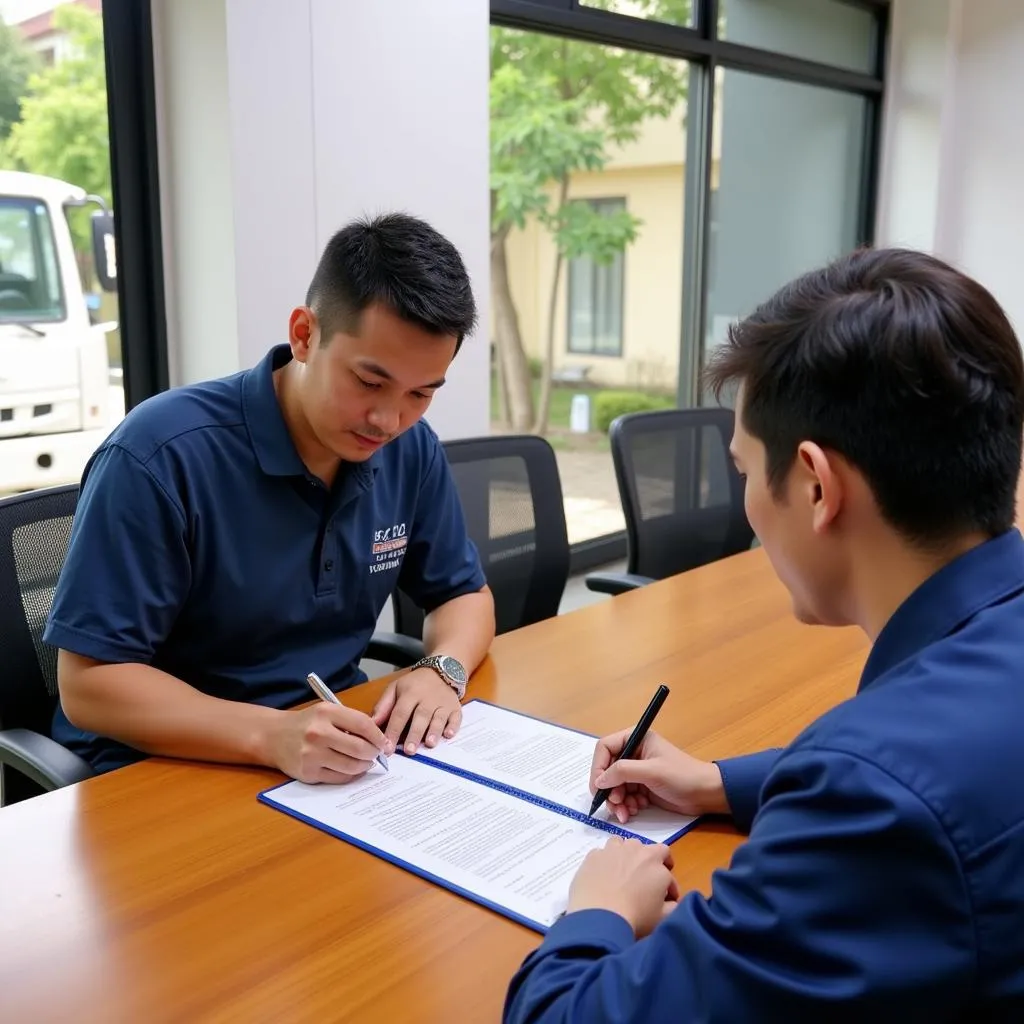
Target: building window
x=595 y=297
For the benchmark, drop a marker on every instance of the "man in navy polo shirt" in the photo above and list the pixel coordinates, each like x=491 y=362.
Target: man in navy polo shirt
x=879 y=419
x=233 y=536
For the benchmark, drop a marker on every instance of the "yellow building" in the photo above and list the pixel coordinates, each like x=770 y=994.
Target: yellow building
x=622 y=321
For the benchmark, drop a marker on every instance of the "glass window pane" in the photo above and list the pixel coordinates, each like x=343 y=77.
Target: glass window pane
x=672 y=12
x=827 y=31
x=595 y=294
x=587 y=165
x=60 y=352
x=787 y=162
x=608 y=307
x=581 y=306
x=29 y=282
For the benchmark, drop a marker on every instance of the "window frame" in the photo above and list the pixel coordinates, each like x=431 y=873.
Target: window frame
x=701 y=46
x=135 y=184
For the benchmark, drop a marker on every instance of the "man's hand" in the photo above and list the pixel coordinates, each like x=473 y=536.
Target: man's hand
x=629 y=878
x=661 y=774
x=324 y=743
x=422 y=700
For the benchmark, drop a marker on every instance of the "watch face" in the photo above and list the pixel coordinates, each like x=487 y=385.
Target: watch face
x=454 y=669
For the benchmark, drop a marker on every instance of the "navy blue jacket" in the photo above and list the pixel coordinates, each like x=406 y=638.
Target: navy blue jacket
x=883 y=879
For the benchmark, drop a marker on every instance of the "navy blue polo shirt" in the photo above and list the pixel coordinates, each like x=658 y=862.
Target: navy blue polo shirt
x=203 y=546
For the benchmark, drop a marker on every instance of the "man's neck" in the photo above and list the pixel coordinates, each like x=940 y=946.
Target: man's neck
x=888 y=570
x=322 y=463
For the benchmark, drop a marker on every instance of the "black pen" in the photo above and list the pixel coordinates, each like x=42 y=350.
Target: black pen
x=636 y=737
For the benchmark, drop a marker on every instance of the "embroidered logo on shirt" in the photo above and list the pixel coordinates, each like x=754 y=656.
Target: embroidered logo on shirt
x=388 y=547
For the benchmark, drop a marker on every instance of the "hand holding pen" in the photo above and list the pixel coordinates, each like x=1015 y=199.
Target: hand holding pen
x=633 y=742
x=653 y=772
x=326 y=694
x=321 y=742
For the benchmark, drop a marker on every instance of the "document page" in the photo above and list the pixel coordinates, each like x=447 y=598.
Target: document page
x=540 y=758
x=492 y=846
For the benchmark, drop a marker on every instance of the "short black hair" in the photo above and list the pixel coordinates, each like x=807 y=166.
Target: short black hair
x=400 y=262
x=904 y=366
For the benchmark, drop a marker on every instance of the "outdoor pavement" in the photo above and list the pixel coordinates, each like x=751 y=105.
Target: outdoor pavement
x=590 y=494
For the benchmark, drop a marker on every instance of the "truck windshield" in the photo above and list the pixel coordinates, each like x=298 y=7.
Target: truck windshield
x=30 y=288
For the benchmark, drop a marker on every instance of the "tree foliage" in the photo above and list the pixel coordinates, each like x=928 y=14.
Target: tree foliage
x=63 y=129
x=17 y=62
x=560 y=108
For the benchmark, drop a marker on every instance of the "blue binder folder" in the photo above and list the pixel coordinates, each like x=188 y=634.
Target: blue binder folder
x=371 y=815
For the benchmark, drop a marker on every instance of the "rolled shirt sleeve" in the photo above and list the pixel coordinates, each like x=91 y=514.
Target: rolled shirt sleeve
x=127 y=571
x=441 y=562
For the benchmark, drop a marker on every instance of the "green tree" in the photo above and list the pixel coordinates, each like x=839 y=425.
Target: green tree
x=559 y=107
x=63 y=128
x=17 y=62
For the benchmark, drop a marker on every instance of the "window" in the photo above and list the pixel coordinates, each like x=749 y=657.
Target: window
x=61 y=379
x=595 y=296
x=789 y=189
x=827 y=31
x=588 y=172
x=714 y=148
x=29 y=284
x=672 y=12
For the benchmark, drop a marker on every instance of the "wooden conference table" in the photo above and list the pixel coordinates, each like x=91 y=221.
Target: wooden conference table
x=166 y=892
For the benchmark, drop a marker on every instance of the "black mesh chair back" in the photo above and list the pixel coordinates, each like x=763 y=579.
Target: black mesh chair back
x=681 y=494
x=34 y=533
x=512 y=498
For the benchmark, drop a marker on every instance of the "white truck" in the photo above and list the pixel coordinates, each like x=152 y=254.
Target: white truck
x=54 y=368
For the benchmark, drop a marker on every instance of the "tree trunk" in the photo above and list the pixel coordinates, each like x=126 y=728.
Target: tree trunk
x=500 y=387
x=515 y=368
x=541 y=424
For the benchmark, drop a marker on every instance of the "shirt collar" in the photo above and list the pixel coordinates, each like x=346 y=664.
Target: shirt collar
x=268 y=432
x=971 y=582
x=275 y=450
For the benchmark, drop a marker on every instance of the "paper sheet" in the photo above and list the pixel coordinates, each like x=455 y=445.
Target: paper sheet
x=493 y=846
x=540 y=758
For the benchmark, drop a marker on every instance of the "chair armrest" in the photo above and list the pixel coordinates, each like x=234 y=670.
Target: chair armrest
x=394 y=649
x=615 y=582
x=46 y=763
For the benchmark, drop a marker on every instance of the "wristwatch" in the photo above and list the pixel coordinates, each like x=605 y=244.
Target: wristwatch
x=452 y=671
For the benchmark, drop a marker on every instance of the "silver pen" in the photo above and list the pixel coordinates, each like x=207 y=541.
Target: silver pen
x=325 y=693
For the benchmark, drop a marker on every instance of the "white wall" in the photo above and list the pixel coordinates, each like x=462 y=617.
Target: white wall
x=981 y=221
x=953 y=158
x=196 y=188
x=920 y=57
x=318 y=112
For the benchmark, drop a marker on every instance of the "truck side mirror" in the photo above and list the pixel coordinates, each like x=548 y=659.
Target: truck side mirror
x=103 y=251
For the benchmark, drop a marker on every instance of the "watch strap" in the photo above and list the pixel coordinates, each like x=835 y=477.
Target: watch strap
x=436 y=662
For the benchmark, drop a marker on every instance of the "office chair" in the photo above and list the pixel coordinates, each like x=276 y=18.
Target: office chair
x=34 y=531
x=511 y=496
x=681 y=494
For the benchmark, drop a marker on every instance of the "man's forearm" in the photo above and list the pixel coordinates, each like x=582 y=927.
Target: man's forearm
x=462 y=628
x=158 y=713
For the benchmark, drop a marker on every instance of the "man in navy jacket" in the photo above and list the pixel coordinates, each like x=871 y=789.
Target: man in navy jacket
x=879 y=417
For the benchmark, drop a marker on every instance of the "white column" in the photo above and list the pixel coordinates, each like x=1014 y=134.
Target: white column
x=283 y=119
x=953 y=155
x=196 y=187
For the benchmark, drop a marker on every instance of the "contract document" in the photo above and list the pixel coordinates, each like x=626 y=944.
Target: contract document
x=498 y=814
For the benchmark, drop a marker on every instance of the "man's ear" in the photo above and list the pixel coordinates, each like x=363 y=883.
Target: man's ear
x=303 y=332
x=819 y=484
